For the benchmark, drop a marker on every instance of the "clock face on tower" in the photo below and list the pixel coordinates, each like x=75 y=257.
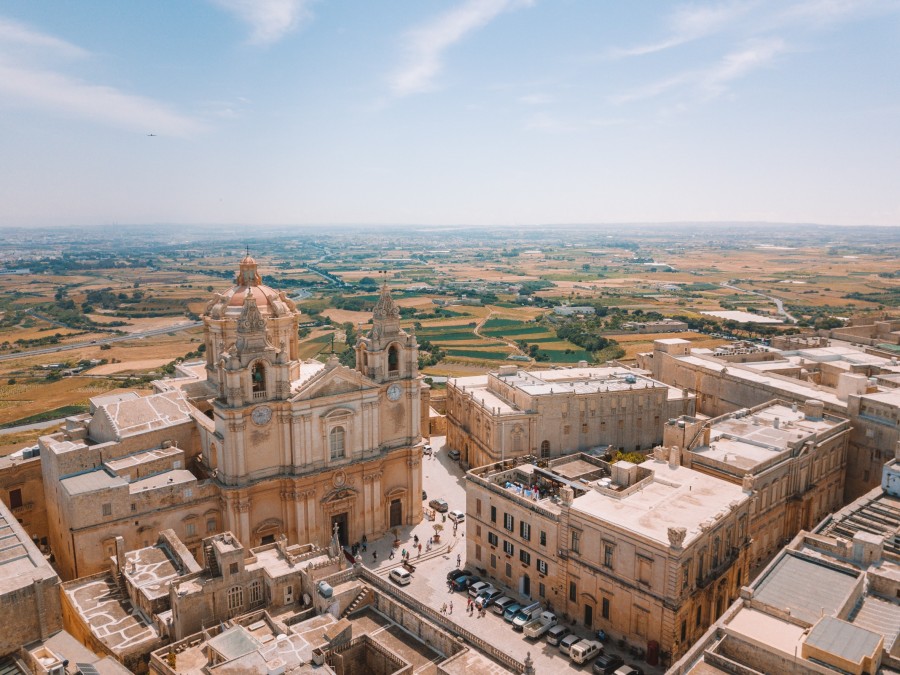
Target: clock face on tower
x=261 y=414
x=393 y=392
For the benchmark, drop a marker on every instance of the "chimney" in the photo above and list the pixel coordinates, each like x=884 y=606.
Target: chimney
x=674 y=456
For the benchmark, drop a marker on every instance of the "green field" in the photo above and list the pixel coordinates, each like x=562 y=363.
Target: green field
x=478 y=354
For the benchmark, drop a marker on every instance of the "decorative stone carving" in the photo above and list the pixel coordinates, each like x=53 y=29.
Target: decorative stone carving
x=676 y=536
x=748 y=483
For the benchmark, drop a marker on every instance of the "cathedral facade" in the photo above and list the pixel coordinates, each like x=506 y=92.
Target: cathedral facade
x=260 y=442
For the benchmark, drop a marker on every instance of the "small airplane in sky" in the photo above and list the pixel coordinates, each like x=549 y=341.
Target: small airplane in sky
x=151 y=134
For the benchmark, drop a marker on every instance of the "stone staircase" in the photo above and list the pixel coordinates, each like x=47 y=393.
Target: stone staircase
x=209 y=556
x=364 y=598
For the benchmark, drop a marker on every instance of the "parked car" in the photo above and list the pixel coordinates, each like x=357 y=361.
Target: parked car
x=629 y=670
x=461 y=582
x=566 y=644
x=556 y=634
x=500 y=604
x=400 y=576
x=526 y=614
x=456 y=516
x=584 y=651
x=485 y=598
x=540 y=625
x=455 y=574
x=607 y=664
x=439 y=504
x=477 y=587
x=454 y=455
x=510 y=612
x=426 y=449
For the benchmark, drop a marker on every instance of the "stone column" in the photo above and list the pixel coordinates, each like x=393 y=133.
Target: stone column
x=284 y=424
x=296 y=443
x=378 y=497
x=243 y=510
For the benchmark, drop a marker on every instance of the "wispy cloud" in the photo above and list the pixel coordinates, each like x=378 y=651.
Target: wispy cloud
x=14 y=34
x=536 y=99
x=269 y=20
x=711 y=82
x=27 y=80
x=426 y=45
x=686 y=25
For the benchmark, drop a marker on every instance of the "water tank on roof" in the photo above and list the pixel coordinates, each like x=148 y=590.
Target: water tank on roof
x=325 y=589
x=630 y=379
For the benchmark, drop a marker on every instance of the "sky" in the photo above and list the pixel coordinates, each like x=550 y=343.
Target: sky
x=449 y=112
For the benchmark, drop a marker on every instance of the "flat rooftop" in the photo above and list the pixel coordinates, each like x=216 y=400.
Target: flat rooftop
x=92 y=481
x=674 y=497
x=809 y=588
x=20 y=560
x=128 y=417
x=161 y=480
x=752 y=439
x=149 y=569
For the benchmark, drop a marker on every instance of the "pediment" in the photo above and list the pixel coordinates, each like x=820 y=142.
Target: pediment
x=332 y=382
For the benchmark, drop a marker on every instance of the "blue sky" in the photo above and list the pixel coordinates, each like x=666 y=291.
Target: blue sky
x=444 y=112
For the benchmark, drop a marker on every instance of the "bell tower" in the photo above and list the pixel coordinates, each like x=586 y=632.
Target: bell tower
x=388 y=352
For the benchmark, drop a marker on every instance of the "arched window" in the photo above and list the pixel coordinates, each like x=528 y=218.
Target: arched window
x=715 y=552
x=256 y=592
x=235 y=597
x=258 y=376
x=393 y=359
x=336 y=442
x=545 y=449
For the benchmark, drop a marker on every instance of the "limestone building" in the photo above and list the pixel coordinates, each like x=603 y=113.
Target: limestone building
x=651 y=552
x=827 y=603
x=851 y=383
x=549 y=413
x=792 y=457
x=29 y=589
x=255 y=441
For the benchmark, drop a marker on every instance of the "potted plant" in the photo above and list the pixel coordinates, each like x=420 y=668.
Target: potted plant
x=437 y=531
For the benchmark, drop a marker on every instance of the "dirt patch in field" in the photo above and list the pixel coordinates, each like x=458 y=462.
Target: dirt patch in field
x=344 y=315
x=127 y=366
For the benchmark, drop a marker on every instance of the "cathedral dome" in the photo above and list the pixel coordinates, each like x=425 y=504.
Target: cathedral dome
x=269 y=301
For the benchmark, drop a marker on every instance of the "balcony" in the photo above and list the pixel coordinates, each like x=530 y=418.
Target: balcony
x=24 y=508
x=259 y=395
x=719 y=569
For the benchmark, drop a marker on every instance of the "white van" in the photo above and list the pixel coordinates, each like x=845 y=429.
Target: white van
x=584 y=651
x=456 y=516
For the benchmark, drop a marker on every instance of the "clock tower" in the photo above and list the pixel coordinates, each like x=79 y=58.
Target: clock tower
x=388 y=353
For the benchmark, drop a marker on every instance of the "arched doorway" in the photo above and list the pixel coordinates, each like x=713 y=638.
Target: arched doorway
x=545 y=449
x=258 y=378
x=393 y=360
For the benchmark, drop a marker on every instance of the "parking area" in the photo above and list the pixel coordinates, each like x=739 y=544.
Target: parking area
x=443 y=478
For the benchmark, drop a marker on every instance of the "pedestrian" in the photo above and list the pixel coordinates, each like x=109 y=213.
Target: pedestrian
x=415 y=539
x=374 y=556
x=420 y=552
x=458 y=559
x=451 y=607
x=444 y=608
x=429 y=541
x=468 y=604
x=403 y=554
x=391 y=556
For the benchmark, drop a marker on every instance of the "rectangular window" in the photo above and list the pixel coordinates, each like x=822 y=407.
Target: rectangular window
x=543 y=538
x=604 y=609
x=508 y=522
x=608 y=550
x=699 y=619
x=477 y=551
x=542 y=590
x=524 y=530
x=573 y=591
x=477 y=507
x=15 y=498
x=211 y=525
x=493 y=560
x=576 y=541
x=493 y=540
x=107 y=509
x=684 y=630
x=133 y=507
x=508 y=570
x=188 y=493
x=478 y=530
x=493 y=514
x=685 y=575
x=508 y=548
x=524 y=556
x=542 y=566
x=191 y=529
x=584 y=428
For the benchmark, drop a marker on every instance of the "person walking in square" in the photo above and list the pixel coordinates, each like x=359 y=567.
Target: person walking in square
x=451 y=607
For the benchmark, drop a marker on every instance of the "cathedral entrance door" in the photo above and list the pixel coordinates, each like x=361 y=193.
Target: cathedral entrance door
x=396 y=513
x=341 y=520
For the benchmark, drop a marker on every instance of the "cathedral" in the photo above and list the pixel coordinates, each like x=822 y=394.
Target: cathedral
x=256 y=440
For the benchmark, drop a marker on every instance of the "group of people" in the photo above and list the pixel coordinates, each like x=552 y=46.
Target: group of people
x=473 y=606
